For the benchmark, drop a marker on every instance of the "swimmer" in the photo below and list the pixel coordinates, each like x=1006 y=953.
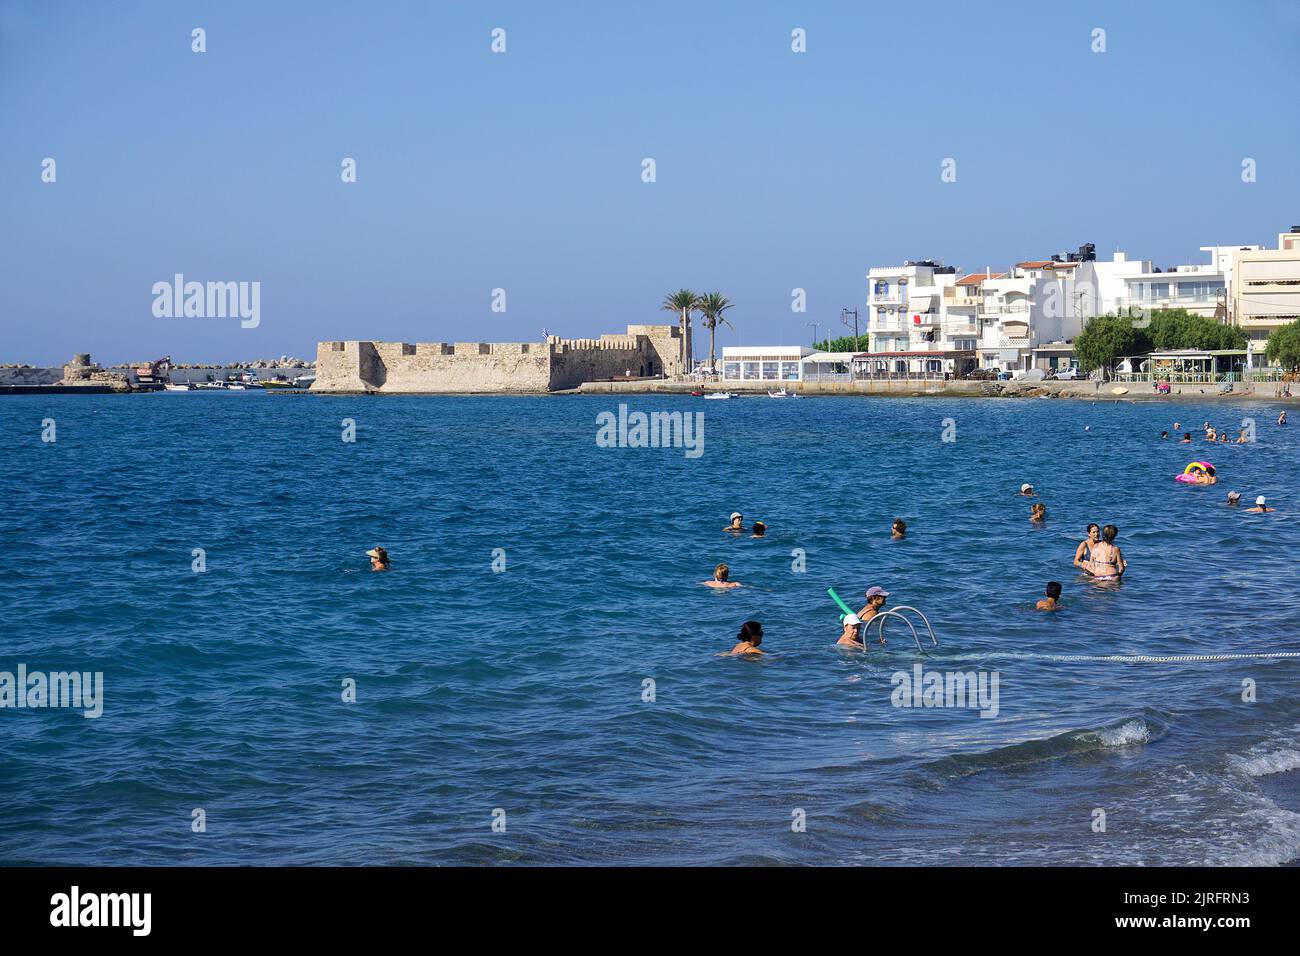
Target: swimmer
x=1038 y=512
x=1234 y=498
x=720 y=575
x=1086 y=545
x=1164 y=434
x=1223 y=437
x=760 y=529
x=1107 y=562
x=1207 y=477
x=1178 y=427
x=1281 y=419
x=378 y=559
x=875 y=601
x=750 y=636
x=1187 y=438
x=1209 y=433
x=850 y=635
x=1261 y=507
x=1052 y=601
x=898 y=530
x=1241 y=437
x=737 y=523
x=1027 y=490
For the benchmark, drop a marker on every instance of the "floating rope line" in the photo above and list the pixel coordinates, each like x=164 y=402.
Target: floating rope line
x=1141 y=658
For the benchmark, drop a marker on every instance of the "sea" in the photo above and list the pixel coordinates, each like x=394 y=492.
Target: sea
x=539 y=679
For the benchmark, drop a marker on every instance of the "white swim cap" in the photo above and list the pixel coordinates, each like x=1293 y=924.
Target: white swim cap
x=1259 y=500
x=851 y=619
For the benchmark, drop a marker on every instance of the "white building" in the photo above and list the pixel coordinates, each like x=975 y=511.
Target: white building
x=919 y=322
x=1266 y=291
x=767 y=363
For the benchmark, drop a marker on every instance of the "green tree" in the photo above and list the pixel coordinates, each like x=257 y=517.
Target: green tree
x=1107 y=338
x=684 y=302
x=845 y=343
x=711 y=307
x=1283 y=346
x=1180 y=329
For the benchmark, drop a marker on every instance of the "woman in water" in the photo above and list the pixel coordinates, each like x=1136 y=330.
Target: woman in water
x=1038 y=512
x=378 y=559
x=750 y=636
x=1084 y=551
x=899 y=530
x=720 y=575
x=760 y=530
x=1106 y=562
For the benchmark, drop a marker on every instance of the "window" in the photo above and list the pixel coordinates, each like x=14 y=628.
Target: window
x=751 y=370
x=771 y=370
x=731 y=370
x=790 y=371
x=900 y=366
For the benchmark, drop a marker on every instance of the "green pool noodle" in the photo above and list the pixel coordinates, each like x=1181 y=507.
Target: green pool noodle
x=836 y=598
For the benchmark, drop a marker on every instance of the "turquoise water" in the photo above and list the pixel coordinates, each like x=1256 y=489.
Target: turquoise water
x=522 y=690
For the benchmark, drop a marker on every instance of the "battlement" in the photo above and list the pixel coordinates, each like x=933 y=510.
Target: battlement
x=360 y=365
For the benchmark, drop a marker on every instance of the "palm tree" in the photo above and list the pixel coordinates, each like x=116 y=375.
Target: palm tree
x=711 y=307
x=684 y=302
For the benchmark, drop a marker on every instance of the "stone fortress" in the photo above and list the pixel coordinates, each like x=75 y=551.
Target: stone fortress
x=646 y=351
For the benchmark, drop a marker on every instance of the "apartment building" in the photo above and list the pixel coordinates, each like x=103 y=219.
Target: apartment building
x=1266 y=287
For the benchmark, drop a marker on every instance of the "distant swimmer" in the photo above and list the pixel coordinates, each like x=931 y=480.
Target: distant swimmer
x=378 y=559
x=1281 y=418
x=750 y=636
x=1038 y=512
x=1178 y=427
x=760 y=530
x=1261 y=506
x=1164 y=434
x=1241 y=437
x=1234 y=499
x=720 y=575
x=1084 y=550
x=1053 y=599
x=1027 y=490
x=1223 y=437
x=737 y=523
x=1187 y=438
x=898 y=530
x=851 y=636
x=1107 y=562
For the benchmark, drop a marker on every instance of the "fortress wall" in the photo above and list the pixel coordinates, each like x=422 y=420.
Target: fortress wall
x=601 y=360
x=558 y=363
x=338 y=367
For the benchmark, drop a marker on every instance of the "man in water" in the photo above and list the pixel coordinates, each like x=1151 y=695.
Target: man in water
x=378 y=559
x=1260 y=506
x=1281 y=418
x=737 y=523
x=1052 y=601
x=850 y=636
x=720 y=575
x=760 y=529
x=1187 y=438
x=1164 y=434
x=1087 y=544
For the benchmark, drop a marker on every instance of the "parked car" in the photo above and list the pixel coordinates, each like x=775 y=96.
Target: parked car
x=1069 y=374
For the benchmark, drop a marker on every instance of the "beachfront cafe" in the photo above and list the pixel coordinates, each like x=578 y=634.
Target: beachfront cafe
x=766 y=363
x=1182 y=366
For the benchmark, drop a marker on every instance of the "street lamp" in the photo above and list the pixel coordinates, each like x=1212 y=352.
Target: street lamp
x=814 y=328
x=844 y=317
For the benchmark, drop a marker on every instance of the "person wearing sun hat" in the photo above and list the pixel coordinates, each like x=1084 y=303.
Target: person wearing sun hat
x=1027 y=490
x=1261 y=505
x=850 y=637
x=1234 y=498
x=378 y=558
x=737 y=523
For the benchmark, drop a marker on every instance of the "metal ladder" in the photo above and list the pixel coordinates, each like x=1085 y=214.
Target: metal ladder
x=895 y=612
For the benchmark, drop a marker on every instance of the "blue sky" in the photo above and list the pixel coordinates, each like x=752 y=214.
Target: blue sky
x=522 y=170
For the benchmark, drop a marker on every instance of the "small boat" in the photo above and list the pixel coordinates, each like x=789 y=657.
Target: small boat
x=782 y=393
x=211 y=386
x=278 y=383
x=178 y=387
x=717 y=395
